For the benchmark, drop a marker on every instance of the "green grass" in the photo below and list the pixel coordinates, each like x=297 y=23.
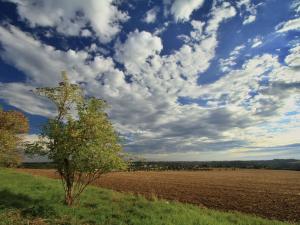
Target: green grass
x=25 y=199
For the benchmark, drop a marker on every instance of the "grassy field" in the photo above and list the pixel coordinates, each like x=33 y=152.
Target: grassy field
x=272 y=194
x=27 y=199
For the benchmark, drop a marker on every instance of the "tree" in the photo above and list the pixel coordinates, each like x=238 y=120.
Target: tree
x=12 y=125
x=80 y=139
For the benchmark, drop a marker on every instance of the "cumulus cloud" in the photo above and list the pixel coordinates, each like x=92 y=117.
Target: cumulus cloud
x=248 y=10
x=293 y=24
x=145 y=109
x=226 y=64
x=42 y=63
x=145 y=87
x=138 y=47
x=256 y=42
x=249 y=19
x=151 y=15
x=70 y=18
x=21 y=96
x=198 y=29
x=182 y=10
x=296 y=6
x=293 y=59
x=245 y=88
x=220 y=14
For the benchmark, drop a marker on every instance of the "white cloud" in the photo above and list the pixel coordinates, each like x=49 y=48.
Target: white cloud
x=184 y=38
x=203 y=46
x=148 y=110
x=160 y=30
x=17 y=44
x=256 y=42
x=70 y=17
x=293 y=59
x=237 y=49
x=141 y=107
x=198 y=26
x=265 y=105
x=234 y=87
x=293 y=24
x=249 y=19
x=182 y=10
x=227 y=64
x=296 y=6
x=42 y=63
x=20 y=96
x=138 y=47
x=219 y=15
x=248 y=10
x=151 y=15
x=86 y=33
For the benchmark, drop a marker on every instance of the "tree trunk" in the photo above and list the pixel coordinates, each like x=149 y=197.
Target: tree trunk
x=69 y=196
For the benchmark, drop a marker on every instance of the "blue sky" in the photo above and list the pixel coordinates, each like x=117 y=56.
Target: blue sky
x=186 y=79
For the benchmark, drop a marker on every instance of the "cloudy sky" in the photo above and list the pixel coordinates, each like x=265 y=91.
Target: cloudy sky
x=186 y=79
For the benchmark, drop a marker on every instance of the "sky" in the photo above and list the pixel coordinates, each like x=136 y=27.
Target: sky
x=185 y=79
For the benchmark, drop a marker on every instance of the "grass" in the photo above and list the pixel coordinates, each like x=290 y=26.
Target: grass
x=27 y=199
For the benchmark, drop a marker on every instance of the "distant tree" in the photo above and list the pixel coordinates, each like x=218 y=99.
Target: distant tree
x=80 y=139
x=12 y=125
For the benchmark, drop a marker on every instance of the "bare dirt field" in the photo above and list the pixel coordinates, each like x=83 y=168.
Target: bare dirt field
x=266 y=193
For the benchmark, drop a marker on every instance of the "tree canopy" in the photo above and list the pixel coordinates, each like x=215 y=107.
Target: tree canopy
x=12 y=125
x=79 y=139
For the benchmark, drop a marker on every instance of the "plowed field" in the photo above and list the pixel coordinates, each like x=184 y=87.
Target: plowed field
x=266 y=193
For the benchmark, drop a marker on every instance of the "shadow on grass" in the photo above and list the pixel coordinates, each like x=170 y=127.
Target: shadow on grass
x=27 y=205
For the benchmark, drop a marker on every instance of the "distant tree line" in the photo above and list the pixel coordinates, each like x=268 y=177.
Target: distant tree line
x=276 y=164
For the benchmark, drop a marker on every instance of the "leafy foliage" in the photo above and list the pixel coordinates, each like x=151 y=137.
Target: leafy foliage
x=80 y=140
x=12 y=125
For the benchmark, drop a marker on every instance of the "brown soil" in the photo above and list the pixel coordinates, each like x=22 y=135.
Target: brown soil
x=267 y=193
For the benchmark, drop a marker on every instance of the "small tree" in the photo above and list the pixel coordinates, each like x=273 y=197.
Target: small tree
x=80 y=139
x=12 y=125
